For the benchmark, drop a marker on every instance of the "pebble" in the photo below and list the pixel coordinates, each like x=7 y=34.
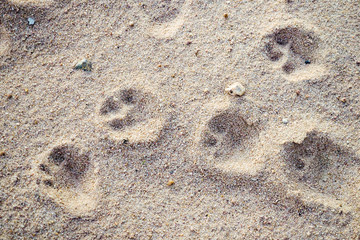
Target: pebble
x=31 y=21
x=84 y=65
x=2 y=153
x=170 y=183
x=285 y=121
x=235 y=89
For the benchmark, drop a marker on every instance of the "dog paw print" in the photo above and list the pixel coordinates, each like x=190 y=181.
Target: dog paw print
x=68 y=176
x=226 y=140
x=322 y=168
x=294 y=50
x=161 y=11
x=132 y=115
x=4 y=42
x=167 y=16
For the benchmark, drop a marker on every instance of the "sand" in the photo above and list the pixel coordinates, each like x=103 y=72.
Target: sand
x=90 y=154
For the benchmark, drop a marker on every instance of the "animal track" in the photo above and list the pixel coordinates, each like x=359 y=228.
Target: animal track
x=69 y=166
x=4 y=42
x=132 y=115
x=167 y=15
x=320 y=166
x=161 y=11
x=68 y=176
x=295 y=50
x=226 y=139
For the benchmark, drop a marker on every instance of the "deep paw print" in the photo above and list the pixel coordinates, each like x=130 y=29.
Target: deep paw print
x=226 y=139
x=320 y=166
x=161 y=11
x=68 y=177
x=132 y=115
x=66 y=166
x=293 y=48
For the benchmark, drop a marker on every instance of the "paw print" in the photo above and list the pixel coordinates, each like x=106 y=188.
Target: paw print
x=132 y=115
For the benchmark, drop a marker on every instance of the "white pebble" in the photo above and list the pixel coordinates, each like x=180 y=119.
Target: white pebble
x=235 y=89
x=285 y=121
x=31 y=21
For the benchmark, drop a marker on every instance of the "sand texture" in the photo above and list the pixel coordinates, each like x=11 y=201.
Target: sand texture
x=189 y=119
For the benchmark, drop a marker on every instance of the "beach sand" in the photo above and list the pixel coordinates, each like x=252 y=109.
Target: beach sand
x=146 y=143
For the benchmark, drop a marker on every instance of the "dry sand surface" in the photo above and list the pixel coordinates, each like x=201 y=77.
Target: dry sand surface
x=148 y=145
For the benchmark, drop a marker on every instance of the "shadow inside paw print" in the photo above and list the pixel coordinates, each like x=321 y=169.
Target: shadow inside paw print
x=298 y=46
x=320 y=164
x=132 y=115
x=65 y=165
x=226 y=131
x=129 y=107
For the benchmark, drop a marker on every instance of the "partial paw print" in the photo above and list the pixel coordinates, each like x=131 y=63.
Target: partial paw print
x=32 y=2
x=167 y=15
x=4 y=42
x=161 y=11
x=68 y=176
x=322 y=170
x=132 y=116
x=295 y=51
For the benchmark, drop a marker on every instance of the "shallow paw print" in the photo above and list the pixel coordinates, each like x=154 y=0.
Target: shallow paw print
x=4 y=42
x=320 y=167
x=32 y=2
x=167 y=16
x=161 y=11
x=294 y=50
x=132 y=115
x=68 y=177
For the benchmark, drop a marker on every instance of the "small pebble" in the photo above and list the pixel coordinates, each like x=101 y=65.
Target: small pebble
x=31 y=21
x=84 y=65
x=343 y=100
x=285 y=121
x=226 y=16
x=236 y=89
x=131 y=24
x=2 y=153
x=9 y=96
x=170 y=182
x=26 y=90
x=307 y=62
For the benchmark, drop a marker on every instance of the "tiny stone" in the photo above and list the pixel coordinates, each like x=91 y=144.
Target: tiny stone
x=226 y=15
x=285 y=121
x=343 y=100
x=131 y=24
x=31 y=21
x=170 y=182
x=2 y=153
x=9 y=96
x=26 y=90
x=236 y=89
x=84 y=65
x=307 y=62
